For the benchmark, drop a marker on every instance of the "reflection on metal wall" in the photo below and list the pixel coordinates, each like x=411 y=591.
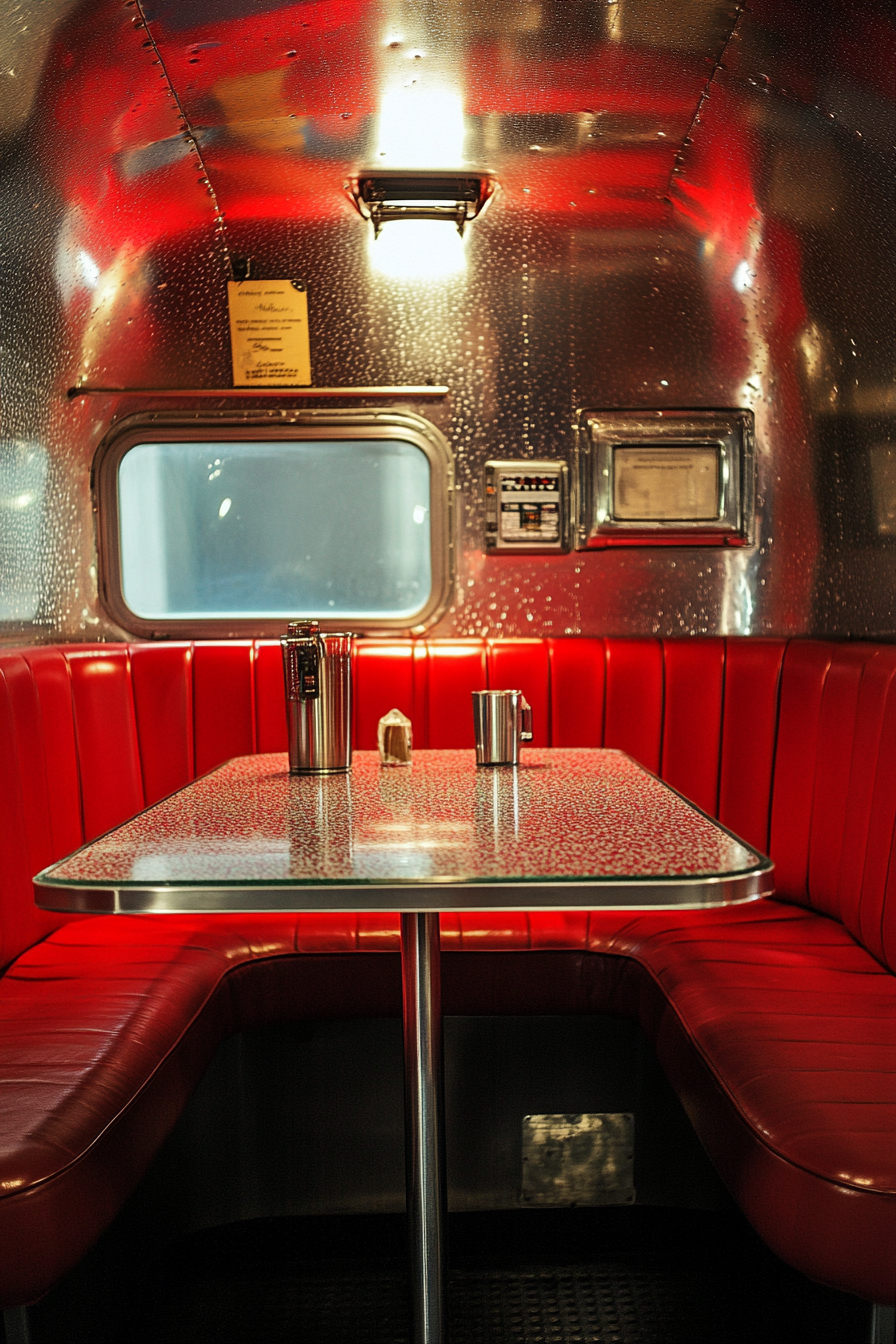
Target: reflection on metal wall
x=694 y=210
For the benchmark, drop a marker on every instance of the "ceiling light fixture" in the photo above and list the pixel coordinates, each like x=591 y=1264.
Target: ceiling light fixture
x=384 y=196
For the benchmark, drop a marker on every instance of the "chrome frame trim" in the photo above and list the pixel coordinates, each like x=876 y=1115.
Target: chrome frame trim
x=650 y=894
x=600 y=432
x=177 y=426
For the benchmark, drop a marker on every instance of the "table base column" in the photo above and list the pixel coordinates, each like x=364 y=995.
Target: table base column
x=424 y=1124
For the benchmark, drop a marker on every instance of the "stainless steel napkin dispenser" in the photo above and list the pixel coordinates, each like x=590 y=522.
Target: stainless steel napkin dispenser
x=317 y=671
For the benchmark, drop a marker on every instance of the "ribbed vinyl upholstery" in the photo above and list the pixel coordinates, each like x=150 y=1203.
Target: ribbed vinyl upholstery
x=779 y=1034
x=834 y=803
x=693 y=674
x=775 y=1022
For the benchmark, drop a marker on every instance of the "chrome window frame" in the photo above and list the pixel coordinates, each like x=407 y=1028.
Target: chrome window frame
x=299 y=426
x=601 y=432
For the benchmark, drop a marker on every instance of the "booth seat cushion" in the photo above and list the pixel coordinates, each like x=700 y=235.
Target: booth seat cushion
x=777 y=1030
x=791 y=1021
x=105 y=1028
x=108 y=1024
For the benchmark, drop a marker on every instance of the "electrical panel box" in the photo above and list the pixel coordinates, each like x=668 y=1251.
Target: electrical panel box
x=526 y=506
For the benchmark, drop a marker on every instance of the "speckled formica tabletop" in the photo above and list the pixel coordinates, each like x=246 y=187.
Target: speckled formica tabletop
x=562 y=819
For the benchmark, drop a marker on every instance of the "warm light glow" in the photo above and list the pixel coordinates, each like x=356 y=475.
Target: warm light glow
x=421 y=128
x=417 y=249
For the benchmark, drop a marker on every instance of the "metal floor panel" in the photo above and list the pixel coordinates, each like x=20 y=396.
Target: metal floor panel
x=578 y=1305
x=574 y=1276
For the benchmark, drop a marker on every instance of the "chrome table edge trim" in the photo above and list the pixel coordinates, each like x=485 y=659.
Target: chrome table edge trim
x=407 y=897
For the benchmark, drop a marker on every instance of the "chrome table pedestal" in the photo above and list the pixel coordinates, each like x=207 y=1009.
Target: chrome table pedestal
x=424 y=1123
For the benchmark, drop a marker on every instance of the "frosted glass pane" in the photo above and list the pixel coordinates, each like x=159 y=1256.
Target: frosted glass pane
x=313 y=528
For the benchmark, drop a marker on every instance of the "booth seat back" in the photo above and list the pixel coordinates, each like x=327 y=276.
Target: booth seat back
x=833 y=820
x=790 y=745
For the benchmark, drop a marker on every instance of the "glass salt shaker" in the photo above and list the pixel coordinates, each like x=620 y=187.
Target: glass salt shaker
x=394 y=737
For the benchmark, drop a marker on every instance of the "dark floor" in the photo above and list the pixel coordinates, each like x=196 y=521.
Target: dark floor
x=626 y=1275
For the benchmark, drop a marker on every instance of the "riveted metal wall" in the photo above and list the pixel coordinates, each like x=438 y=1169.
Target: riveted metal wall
x=695 y=210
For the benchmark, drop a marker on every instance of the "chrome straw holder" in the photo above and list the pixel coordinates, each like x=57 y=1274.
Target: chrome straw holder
x=317 y=671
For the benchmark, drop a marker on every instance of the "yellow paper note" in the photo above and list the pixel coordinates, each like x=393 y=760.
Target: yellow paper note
x=269 y=333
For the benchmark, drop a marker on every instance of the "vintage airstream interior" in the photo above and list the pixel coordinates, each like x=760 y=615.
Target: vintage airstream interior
x=570 y=369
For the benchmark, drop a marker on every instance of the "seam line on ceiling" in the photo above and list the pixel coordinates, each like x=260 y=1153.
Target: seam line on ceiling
x=704 y=94
x=190 y=137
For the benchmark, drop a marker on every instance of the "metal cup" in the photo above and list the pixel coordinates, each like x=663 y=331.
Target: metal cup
x=318 y=674
x=502 y=720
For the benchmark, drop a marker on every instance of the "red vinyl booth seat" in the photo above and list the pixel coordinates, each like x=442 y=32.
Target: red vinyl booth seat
x=776 y=1022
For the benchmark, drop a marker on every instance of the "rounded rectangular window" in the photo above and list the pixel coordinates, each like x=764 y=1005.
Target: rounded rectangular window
x=344 y=521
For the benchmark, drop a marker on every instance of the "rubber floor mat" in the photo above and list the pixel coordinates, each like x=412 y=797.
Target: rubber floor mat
x=579 y=1305
x=601 y=1276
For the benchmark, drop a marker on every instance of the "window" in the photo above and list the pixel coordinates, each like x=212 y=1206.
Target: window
x=248 y=525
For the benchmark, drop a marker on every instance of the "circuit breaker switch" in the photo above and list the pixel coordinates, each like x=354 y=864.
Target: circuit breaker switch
x=526 y=506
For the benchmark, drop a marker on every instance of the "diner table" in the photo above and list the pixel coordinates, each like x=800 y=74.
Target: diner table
x=567 y=829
